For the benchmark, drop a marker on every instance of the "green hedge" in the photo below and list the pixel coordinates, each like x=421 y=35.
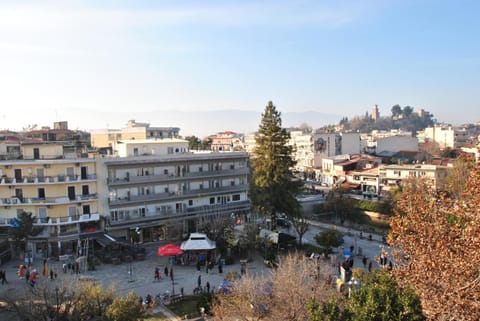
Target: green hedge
x=371 y=206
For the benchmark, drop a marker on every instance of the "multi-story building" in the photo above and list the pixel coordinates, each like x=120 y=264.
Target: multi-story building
x=60 y=193
x=150 y=147
x=104 y=139
x=335 y=169
x=392 y=175
x=150 y=193
x=446 y=136
x=395 y=144
x=327 y=145
x=227 y=141
x=302 y=144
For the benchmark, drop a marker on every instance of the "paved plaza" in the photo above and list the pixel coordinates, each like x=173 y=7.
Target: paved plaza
x=139 y=276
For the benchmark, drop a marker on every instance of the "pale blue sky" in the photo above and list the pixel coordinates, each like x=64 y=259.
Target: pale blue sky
x=337 y=57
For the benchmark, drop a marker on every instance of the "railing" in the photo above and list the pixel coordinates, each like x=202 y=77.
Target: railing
x=46 y=179
x=177 y=194
x=189 y=212
x=172 y=177
x=51 y=221
x=47 y=200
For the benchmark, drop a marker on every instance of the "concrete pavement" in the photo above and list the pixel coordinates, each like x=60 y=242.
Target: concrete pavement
x=137 y=276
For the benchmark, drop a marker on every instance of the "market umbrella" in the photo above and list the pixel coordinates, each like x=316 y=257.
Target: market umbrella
x=169 y=250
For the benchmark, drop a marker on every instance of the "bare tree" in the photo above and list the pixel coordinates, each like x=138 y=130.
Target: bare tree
x=282 y=294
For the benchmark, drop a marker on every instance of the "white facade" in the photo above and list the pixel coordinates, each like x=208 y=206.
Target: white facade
x=396 y=144
x=167 y=146
x=151 y=191
x=446 y=136
x=324 y=146
x=392 y=175
x=350 y=143
x=303 y=150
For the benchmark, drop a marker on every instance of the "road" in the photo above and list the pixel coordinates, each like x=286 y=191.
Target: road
x=362 y=246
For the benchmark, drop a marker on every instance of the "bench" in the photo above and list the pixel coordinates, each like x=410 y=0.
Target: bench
x=175 y=298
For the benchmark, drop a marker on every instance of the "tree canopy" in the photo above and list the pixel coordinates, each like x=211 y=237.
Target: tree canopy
x=273 y=186
x=438 y=242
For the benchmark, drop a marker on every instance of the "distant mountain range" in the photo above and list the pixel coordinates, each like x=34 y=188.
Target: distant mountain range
x=201 y=123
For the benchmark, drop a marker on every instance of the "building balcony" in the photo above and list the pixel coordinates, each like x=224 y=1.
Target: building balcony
x=178 y=195
x=46 y=179
x=173 y=178
x=160 y=216
x=12 y=201
x=55 y=221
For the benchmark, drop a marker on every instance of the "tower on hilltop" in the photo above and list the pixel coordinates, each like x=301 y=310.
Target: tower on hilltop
x=375 y=112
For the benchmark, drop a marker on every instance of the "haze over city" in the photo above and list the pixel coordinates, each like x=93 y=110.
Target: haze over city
x=98 y=64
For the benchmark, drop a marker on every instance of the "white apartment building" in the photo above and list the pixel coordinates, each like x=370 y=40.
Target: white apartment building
x=149 y=147
x=302 y=144
x=395 y=144
x=104 y=139
x=152 y=192
x=392 y=175
x=446 y=136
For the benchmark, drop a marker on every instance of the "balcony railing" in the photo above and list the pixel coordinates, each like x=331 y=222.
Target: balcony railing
x=46 y=179
x=177 y=194
x=47 y=200
x=189 y=212
x=172 y=177
x=53 y=221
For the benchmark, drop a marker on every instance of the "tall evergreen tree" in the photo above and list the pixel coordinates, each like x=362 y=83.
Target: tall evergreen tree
x=273 y=186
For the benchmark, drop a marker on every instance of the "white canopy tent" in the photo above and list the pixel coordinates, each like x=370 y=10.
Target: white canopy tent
x=198 y=242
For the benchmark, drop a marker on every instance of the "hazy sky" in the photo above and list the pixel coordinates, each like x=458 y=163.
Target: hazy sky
x=339 y=57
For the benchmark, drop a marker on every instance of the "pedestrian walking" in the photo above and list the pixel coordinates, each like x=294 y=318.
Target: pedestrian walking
x=199 y=281
x=370 y=266
x=364 y=261
x=157 y=274
x=208 y=287
x=4 y=277
x=51 y=274
x=166 y=271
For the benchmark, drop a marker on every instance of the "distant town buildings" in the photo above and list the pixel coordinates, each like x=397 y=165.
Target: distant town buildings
x=227 y=141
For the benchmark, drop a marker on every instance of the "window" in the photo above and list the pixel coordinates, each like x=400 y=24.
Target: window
x=72 y=211
x=165 y=171
x=190 y=202
x=212 y=200
x=42 y=213
x=170 y=150
x=41 y=193
x=235 y=197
